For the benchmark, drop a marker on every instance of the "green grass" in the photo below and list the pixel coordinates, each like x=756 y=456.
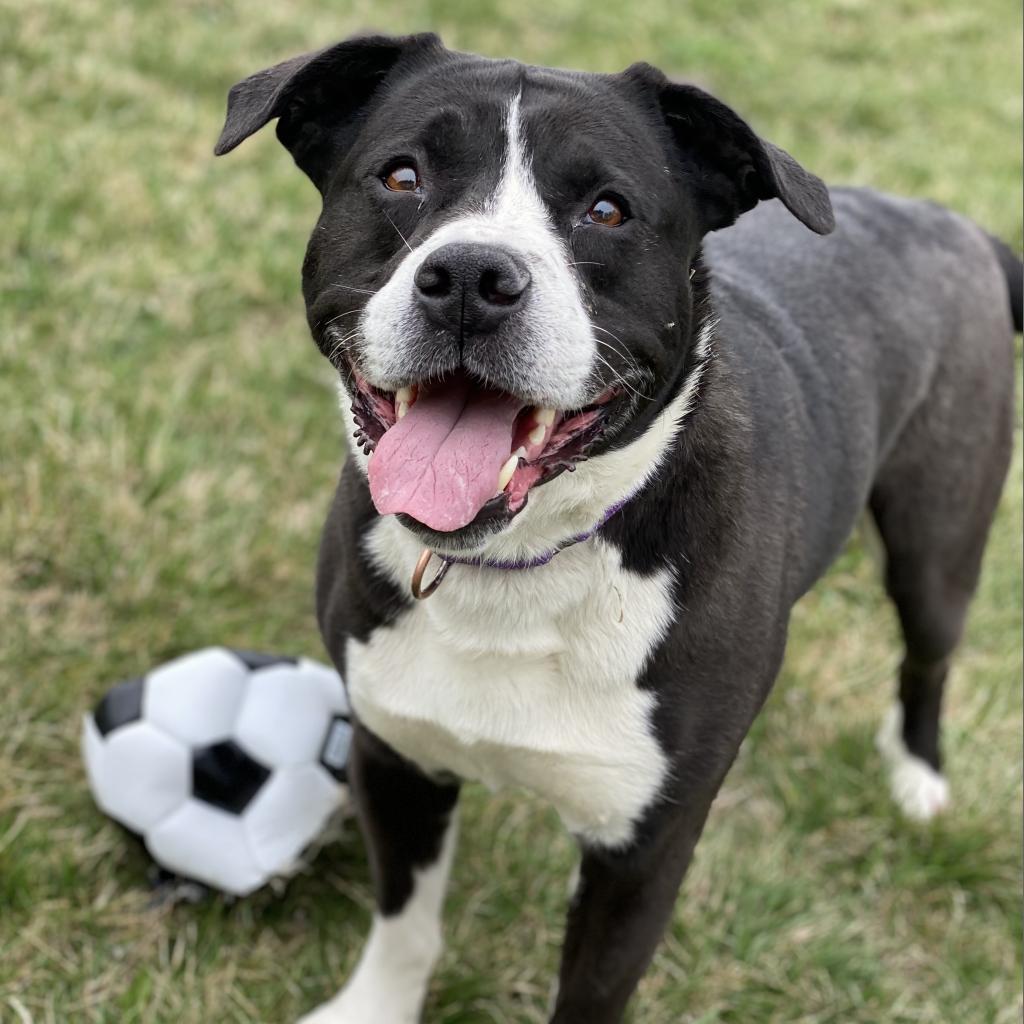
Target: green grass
x=169 y=442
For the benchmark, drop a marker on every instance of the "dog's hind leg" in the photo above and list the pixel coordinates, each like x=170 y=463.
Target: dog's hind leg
x=933 y=504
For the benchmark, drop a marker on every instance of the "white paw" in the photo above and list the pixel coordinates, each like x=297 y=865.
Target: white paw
x=918 y=789
x=339 y=1011
x=354 y=1007
x=374 y=996
x=328 y=1013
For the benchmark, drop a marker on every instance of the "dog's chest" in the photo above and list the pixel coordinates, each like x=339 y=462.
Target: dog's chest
x=528 y=678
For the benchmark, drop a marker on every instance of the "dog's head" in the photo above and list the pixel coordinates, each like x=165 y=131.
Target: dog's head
x=503 y=268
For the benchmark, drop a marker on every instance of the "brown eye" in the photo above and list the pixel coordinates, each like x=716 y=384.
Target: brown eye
x=402 y=178
x=606 y=211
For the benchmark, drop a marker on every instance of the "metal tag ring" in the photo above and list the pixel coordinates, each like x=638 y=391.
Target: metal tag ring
x=416 y=584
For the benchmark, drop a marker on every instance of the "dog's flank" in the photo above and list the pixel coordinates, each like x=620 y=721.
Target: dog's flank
x=522 y=247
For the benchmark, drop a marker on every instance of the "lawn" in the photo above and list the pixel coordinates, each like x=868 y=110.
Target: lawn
x=169 y=443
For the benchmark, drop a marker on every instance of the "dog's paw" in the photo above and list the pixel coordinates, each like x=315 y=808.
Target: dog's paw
x=918 y=789
x=352 y=1006
x=335 y=1012
x=324 y=1014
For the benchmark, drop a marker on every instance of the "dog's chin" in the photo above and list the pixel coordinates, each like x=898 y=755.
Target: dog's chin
x=490 y=521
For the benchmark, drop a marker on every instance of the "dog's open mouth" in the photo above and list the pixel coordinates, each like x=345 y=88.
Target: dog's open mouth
x=443 y=451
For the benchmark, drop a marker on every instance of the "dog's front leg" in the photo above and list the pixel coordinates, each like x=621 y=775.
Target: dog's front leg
x=623 y=900
x=408 y=823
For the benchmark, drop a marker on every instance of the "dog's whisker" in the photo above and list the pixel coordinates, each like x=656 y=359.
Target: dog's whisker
x=630 y=359
x=619 y=379
x=340 y=342
x=396 y=227
x=335 y=319
x=352 y=288
x=624 y=353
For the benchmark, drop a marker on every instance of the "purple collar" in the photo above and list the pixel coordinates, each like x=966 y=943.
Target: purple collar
x=536 y=563
x=447 y=561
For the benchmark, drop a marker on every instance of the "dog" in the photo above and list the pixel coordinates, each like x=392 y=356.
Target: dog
x=602 y=441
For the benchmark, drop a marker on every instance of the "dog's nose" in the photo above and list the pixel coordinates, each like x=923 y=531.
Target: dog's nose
x=468 y=287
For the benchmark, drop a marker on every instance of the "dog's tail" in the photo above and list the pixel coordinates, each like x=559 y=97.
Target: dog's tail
x=1013 y=270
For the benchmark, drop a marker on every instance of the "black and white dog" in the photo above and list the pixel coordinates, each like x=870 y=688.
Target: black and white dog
x=612 y=450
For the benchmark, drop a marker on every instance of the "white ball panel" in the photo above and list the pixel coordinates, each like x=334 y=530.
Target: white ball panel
x=288 y=813
x=329 y=681
x=285 y=716
x=138 y=773
x=196 y=698
x=92 y=754
x=208 y=845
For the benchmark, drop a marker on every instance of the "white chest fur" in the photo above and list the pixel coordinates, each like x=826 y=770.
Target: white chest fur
x=524 y=678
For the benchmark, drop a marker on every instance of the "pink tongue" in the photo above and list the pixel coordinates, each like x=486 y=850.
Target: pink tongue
x=440 y=463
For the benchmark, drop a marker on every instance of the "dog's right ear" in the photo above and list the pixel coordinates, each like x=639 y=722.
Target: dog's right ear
x=317 y=97
x=729 y=168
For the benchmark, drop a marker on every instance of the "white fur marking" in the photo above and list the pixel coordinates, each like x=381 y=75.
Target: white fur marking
x=557 y=348
x=524 y=679
x=390 y=981
x=918 y=789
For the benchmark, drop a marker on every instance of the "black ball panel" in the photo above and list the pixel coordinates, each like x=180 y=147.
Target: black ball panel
x=121 y=705
x=254 y=659
x=335 y=749
x=224 y=775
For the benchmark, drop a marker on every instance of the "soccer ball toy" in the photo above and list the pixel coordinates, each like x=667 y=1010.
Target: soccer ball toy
x=227 y=764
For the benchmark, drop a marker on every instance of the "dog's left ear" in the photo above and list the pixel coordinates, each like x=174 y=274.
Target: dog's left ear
x=318 y=97
x=728 y=165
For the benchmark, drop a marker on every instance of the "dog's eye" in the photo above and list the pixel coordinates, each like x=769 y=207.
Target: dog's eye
x=402 y=178
x=606 y=211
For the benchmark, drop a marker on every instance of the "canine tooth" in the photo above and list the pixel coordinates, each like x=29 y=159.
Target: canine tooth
x=537 y=434
x=544 y=416
x=401 y=408
x=404 y=396
x=510 y=466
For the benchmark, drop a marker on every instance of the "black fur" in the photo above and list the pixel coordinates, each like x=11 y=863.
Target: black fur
x=403 y=815
x=1014 y=271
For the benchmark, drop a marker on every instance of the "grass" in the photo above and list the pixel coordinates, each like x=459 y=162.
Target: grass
x=168 y=445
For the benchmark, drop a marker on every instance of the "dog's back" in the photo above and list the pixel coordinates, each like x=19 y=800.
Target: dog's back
x=897 y=332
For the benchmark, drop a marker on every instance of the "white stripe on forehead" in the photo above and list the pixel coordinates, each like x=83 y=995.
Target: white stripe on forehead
x=516 y=174
x=516 y=203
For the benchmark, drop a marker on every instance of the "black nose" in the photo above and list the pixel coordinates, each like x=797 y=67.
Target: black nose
x=471 y=288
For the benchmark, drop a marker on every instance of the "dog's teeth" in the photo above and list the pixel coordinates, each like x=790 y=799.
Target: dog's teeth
x=404 y=396
x=537 y=434
x=506 y=472
x=510 y=466
x=544 y=416
x=401 y=408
